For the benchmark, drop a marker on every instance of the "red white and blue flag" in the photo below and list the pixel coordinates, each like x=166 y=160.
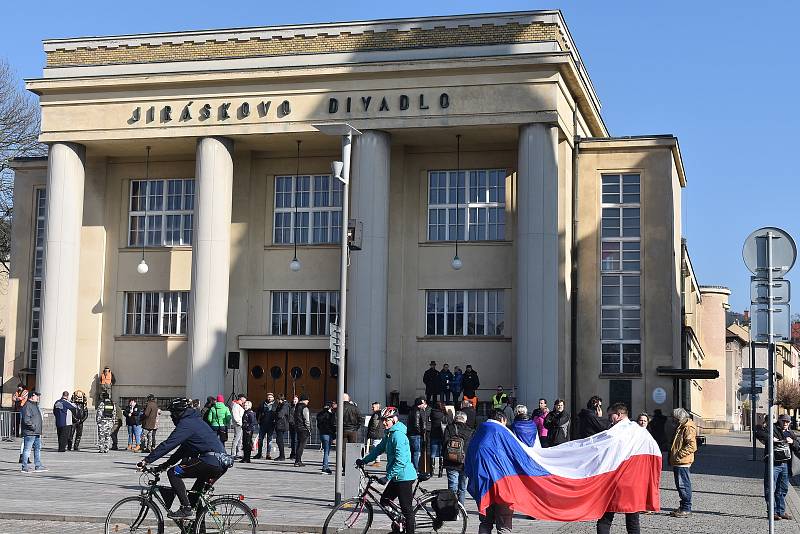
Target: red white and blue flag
x=618 y=470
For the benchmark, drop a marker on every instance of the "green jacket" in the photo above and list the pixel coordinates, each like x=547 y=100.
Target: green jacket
x=218 y=415
x=398 y=454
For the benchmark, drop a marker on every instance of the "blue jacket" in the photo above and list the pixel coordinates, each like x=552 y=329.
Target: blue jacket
x=526 y=430
x=445 y=380
x=63 y=410
x=398 y=454
x=455 y=385
x=193 y=437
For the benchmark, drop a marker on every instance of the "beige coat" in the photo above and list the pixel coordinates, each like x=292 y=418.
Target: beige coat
x=684 y=445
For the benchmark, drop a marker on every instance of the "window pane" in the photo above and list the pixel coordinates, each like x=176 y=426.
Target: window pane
x=610 y=294
x=136 y=234
x=321 y=191
x=283 y=192
x=631 y=358
x=610 y=256
x=302 y=193
x=611 y=222
x=188 y=229
x=188 y=195
x=630 y=222
x=174 y=194
x=154 y=235
x=630 y=290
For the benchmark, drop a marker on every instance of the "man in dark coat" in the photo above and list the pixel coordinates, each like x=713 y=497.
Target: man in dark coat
x=557 y=424
x=590 y=420
x=445 y=382
x=658 y=428
x=31 y=422
x=419 y=424
x=266 y=425
x=432 y=383
x=81 y=414
x=63 y=413
x=149 y=424
x=470 y=381
x=281 y=425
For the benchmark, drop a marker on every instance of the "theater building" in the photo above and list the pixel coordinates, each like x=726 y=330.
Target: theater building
x=478 y=133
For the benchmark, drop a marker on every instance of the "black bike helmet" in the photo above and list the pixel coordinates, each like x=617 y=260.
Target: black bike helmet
x=177 y=406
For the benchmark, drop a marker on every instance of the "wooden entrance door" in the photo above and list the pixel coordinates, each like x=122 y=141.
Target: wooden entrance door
x=288 y=373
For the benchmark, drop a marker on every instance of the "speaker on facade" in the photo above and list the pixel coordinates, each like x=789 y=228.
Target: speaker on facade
x=233 y=360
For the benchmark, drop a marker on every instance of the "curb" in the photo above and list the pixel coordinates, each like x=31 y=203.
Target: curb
x=63 y=518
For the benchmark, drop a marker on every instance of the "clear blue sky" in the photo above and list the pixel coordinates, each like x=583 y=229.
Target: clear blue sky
x=722 y=76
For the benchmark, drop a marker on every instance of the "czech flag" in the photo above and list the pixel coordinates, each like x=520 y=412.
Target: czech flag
x=618 y=470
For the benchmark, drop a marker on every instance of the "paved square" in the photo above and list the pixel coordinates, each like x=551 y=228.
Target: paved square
x=82 y=486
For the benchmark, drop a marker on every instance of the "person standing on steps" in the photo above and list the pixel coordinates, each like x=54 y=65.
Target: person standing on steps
x=281 y=426
x=432 y=383
x=149 y=424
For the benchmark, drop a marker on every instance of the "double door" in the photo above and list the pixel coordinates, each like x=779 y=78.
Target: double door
x=291 y=372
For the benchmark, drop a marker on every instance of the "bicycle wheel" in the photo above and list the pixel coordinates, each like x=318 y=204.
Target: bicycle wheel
x=226 y=515
x=134 y=514
x=425 y=518
x=350 y=517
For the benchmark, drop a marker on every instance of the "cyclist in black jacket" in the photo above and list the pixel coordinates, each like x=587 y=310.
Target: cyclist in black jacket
x=200 y=454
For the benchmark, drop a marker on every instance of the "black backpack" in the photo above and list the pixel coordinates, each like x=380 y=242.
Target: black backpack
x=454 y=450
x=446 y=505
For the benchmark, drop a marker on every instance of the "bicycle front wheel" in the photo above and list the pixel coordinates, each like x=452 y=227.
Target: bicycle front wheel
x=425 y=518
x=134 y=514
x=226 y=515
x=350 y=517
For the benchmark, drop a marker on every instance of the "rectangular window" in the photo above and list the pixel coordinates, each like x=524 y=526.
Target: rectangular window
x=620 y=267
x=473 y=312
x=156 y=313
x=303 y=313
x=40 y=210
x=467 y=205
x=160 y=213
x=318 y=217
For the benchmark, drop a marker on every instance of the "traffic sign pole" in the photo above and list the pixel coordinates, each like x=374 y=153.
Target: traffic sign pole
x=770 y=387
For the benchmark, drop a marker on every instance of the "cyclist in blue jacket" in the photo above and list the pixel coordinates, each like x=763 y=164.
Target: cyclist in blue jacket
x=200 y=452
x=400 y=472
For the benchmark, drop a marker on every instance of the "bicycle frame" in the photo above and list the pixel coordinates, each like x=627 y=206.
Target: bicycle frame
x=374 y=496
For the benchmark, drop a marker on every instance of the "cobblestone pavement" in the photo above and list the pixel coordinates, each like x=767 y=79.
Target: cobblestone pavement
x=82 y=486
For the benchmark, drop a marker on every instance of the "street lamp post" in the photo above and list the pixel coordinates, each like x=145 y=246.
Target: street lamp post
x=341 y=171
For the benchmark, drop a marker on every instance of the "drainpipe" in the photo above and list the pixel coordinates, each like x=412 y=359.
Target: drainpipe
x=573 y=368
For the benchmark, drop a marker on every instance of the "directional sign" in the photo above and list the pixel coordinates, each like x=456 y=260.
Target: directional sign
x=336 y=334
x=781 y=323
x=758 y=371
x=746 y=391
x=759 y=289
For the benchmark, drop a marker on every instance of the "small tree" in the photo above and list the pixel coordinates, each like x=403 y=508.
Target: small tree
x=19 y=137
x=787 y=395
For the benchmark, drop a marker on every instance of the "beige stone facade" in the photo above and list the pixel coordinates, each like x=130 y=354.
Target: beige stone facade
x=512 y=86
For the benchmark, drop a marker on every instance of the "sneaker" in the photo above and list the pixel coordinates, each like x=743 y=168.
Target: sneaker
x=327 y=471
x=777 y=517
x=258 y=457
x=280 y=458
x=183 y=512
x=786 y=516
x=26 y=471
x=299 y=464
x=41 y=469
x=680 y=513
x=267 y=457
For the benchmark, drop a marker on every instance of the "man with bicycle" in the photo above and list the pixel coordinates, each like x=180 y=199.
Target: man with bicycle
x=200 y=454
x=400 y=473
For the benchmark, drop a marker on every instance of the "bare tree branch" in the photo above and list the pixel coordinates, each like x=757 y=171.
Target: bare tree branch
x=19 y=137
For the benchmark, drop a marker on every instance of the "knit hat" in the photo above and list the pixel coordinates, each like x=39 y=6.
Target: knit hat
x=220 y=398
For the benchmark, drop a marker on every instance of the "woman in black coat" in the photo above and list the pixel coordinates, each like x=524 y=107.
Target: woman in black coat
x=557 y=425
x=439 y=420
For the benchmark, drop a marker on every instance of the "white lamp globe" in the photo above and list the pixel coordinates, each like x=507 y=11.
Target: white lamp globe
x=457 y=263
x=142 y=268
x=295 y=265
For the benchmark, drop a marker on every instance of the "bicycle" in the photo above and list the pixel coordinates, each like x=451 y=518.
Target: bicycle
x=355 y=516
x=143 y=513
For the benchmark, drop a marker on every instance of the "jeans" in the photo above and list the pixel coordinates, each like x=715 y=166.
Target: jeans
x=134 y=435
x=436 y=448
x=27 y=443
x=457 y=483
x=498 y=515
x=236 y=445
x=264 y=437
x=684 y=485
x=631 y=522
x=780 y=474
x=416 y=449
x=326 y=450
x=446 y=396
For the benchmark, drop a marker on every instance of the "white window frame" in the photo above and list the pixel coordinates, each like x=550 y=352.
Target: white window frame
x=332 y=231
x=460 y=324
x=286 y=309
x=140 y=315
x=37 y=278
x=186 y=215
x=463 y=210
x=620 y=266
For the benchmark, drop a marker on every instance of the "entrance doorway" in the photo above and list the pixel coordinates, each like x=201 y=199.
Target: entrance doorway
x=291 y=372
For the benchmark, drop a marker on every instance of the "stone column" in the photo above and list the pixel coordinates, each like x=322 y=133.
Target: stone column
x=65 y=182
x=537 y=245
x=368 y=285
x=208 y=312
